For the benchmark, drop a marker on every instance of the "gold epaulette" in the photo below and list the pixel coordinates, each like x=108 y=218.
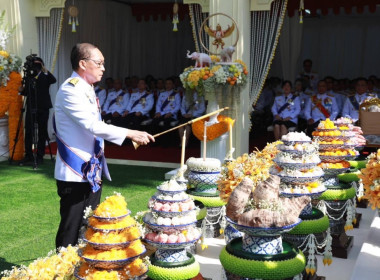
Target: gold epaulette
x=74 y=81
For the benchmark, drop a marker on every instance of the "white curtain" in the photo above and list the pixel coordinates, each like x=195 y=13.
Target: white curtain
x=129 y=47
x=49 y=30
x=265 y=28
x=197 y=17
x=290 y=46
x=342 y=46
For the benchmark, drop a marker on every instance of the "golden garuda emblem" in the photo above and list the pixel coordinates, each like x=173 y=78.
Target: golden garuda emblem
x=219 y=34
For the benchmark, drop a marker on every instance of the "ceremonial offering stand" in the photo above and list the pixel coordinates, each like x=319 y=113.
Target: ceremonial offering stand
x=203 y=188
x=171 y=237
x=312 y=234
x=100 y=254
x=261 y=254
x=338 y=202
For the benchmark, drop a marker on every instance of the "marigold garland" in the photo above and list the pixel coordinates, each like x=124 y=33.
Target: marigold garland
x=370 y=176
x=11 y=102
x=255 y=165
x=112 y=206
x=213 y=131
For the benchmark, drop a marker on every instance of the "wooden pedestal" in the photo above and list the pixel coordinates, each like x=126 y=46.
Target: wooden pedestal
x=341 y=245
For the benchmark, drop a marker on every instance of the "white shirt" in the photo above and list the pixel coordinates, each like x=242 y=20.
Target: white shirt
x=348 y=108
x=78 y=121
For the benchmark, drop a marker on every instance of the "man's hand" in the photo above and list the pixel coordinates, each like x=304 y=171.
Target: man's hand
x=157 y=115
x=310 y=121
x=104 y=113
x=140 y=137
x=187 y=116
x=116 y=114
x=168 y=115
x=287 y=119
x=277 y=118
x=125 y=113
x=138 y=114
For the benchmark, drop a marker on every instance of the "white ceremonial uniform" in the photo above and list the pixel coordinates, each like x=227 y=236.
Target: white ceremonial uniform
x=196 y=108
x=77 y=119
x=117 y=102
x=172 y=106
x=102 y=96
x=144 y=105
x=328 y=102
x=339 y=98
x=304 y=99
x=349 y=109
x=292 y=110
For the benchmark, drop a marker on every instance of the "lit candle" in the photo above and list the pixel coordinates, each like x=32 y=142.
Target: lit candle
x=183 y=149
x=230 y=137
x=204 y=142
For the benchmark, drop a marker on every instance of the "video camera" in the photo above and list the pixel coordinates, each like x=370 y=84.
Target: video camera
x=31 y=66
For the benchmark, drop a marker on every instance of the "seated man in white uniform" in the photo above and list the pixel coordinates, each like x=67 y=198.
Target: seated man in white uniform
x=285 y=109
x=139 y=106
x=320 y=107
x=314 y=78
x=340 y=99
x=167 y=107
x=80 y=139
x=353 y=101
x=116 y=104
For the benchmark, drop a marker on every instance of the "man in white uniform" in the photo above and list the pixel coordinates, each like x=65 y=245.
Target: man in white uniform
x=80 y=133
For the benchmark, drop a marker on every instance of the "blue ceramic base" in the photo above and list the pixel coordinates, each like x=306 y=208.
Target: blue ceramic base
x=308 y=210
x=268 y=245
x=171 y=256
x=203 y=180
x=206 y=189
x=231 y=233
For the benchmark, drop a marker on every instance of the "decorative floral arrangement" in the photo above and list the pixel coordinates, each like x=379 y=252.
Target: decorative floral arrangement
x=112 y=225
x=54 y=266
x=370 y=176
x=213 y=131
x=113 y=237
x=112 y=206
x=205 y=79
x=255 y=166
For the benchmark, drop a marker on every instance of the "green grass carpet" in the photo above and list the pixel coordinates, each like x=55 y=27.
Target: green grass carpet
x=29 y=206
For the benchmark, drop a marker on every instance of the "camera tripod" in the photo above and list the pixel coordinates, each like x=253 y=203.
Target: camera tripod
x=31 y=120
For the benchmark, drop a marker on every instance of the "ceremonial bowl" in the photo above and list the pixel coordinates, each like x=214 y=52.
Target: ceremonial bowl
x=260 y=231
x=204 y=181
x=166 y=214
x=293 y=142
x=113 y=264
x=298 y=166
x=312 y=195
x=100 y=218
x=166 y=200
x=335 y=171
x=156 y=227
x=108 y=246
x=170 y=246
x=298 y=180
x=110 y=230
x=168 y=192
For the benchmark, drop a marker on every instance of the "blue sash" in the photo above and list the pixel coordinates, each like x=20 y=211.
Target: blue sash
x=113 y=101
x=163 y=106
x=90 y=170
x=138 y=100
x=354 y=102
x=287 y=103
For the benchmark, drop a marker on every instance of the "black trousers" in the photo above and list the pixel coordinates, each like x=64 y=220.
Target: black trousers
x=42 y=117
x=132 y=121
x=75 y=197
x=312 y=127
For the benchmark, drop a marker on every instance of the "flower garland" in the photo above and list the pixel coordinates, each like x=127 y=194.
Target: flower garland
x=255 y=165
x=54 y=266
x=11 y=103
x=370 y=176
x=205 y=79
x=213 y=131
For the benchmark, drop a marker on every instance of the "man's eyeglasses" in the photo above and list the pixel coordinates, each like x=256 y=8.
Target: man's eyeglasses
x=99 y=64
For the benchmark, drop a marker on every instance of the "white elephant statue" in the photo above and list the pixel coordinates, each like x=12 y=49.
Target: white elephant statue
x=226 y=54
x=201 y=59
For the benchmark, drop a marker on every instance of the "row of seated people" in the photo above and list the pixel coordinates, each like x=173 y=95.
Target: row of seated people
x=143 y=110
x=295 y=108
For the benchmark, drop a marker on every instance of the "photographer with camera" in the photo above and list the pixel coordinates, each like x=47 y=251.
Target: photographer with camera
x=36 y=84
